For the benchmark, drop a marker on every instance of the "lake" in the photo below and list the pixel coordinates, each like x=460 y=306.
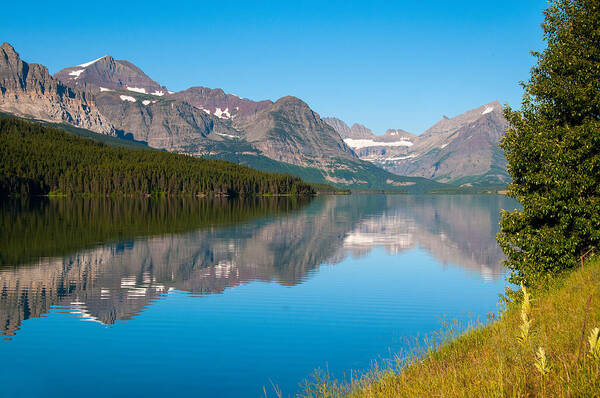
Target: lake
x=222 y=298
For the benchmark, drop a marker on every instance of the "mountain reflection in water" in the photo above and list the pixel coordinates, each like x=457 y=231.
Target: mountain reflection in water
x=106 y=260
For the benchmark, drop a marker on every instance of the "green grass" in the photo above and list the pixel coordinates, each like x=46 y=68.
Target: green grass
x=495 y=360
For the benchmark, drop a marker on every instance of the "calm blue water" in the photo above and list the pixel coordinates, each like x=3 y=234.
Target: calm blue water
x=225 y=307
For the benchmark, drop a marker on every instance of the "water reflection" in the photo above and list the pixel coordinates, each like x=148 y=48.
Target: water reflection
x=458 y=230
x=107 y=260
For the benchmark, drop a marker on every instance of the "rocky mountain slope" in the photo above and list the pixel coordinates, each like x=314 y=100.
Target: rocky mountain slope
x=107 y=73
x=166 y=124
x=356 y=131
x=461 y=150
x=220 y=104
x=29 y=90
x=289 y=131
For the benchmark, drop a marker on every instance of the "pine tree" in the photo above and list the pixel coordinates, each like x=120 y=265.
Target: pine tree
x=553 y=148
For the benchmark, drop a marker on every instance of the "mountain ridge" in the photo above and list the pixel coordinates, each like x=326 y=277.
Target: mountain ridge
x=115 y=97
x=28 y=89
x=286 y=131
x=107 y=73
x=462 y=150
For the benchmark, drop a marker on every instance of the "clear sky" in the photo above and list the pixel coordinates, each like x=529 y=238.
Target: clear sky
x=384 y=64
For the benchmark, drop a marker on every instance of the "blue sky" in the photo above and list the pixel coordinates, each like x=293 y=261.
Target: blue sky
x=400 y=64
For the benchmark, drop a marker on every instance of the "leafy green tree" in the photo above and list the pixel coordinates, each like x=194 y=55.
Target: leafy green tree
x=553 y=148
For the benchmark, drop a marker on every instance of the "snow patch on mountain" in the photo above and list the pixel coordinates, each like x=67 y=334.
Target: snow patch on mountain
x=137 y=90
x=222 y=114
x=393 y=159
x=364 y=143
x=127 y=98
x=105 y=89
x=76 y=73
x=91 y=62
x=158 y=93
x=227 y=135
x=487 y=110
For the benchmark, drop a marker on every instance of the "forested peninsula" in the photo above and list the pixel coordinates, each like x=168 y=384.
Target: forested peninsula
x=40 y=160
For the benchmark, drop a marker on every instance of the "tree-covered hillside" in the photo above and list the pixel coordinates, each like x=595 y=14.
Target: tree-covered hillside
x=38 y=160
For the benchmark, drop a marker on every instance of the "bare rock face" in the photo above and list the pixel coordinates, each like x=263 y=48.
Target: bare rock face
x=28 y=90
x=289 y=131
x=360 y=131
x=225 y=106
x=357 y=131
x=462 y=150
x=165 y=123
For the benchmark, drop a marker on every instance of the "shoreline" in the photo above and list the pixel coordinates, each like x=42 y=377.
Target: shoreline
x=490 y=360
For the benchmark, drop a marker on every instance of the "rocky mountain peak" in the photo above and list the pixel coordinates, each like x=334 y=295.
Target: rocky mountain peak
x=29 y=90
x=291 y=102
x=218 y=103
x=289 y=131
x=449 y=125
x=338 y=125
x=8 y=50
x=107 y=59
x=360 y=131
x=492 y=107
x=12 y=71
x=107 y=73
x=357 y=131
x=397 y=134
x=15 y=74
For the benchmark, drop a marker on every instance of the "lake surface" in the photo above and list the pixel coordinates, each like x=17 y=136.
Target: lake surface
x=206 y=298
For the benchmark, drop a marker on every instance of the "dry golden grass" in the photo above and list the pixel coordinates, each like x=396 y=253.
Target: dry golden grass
x=556 y=359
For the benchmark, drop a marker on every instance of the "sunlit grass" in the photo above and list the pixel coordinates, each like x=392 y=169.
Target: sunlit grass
x=546 y=344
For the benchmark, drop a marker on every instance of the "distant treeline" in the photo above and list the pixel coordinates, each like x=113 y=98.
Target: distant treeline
x=39 y=160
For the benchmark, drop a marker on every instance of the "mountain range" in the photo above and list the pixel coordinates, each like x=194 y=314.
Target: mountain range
x=116 y=98
x=462 y=150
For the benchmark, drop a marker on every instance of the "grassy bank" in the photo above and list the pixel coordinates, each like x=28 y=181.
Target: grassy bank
x=503 y=358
